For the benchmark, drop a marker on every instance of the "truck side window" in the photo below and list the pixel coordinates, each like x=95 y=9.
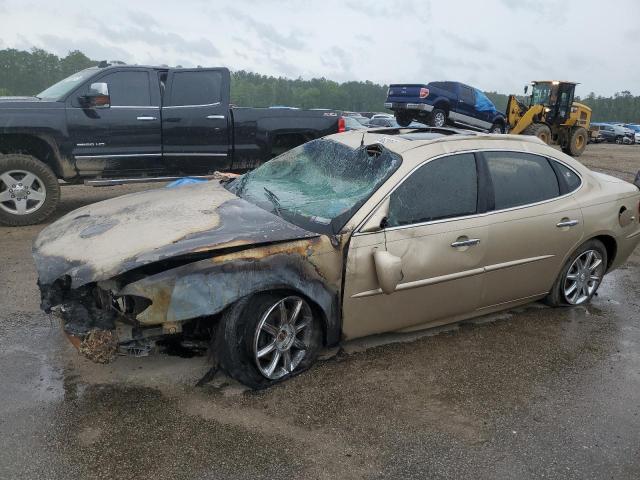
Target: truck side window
x=467 y=95
x=128 y=89
x=195 y=88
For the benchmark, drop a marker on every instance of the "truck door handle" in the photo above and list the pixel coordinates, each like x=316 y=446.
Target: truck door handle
x=215 y=117
x=565 y=222
x=469 y=242
x=147 y=119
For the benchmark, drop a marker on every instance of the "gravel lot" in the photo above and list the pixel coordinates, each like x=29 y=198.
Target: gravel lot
x=531 y=393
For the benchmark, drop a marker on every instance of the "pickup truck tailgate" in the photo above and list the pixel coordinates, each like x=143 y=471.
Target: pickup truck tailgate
x=405 y=93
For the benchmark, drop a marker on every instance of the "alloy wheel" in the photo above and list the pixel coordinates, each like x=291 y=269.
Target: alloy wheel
x=282 y=337
x=21 y=192
x=583 y=277
x=439 y=119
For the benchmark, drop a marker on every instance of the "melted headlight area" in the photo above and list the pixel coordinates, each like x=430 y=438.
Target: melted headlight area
x=90 y=307
x=102 y=324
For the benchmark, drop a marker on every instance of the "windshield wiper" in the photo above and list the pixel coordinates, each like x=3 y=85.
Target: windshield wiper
x=273 y=198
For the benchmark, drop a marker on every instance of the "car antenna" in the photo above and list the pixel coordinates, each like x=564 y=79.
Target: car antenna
x=362 y=141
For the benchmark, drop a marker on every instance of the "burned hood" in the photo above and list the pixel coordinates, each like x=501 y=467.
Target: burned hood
x=108 y=238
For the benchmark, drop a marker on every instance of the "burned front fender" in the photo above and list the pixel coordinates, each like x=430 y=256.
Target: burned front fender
x=310 y=267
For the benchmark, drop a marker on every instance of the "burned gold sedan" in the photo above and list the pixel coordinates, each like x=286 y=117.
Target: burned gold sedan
x=346 y=236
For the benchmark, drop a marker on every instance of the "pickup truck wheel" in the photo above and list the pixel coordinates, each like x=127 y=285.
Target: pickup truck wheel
x=438 y=118
x=540 y=130
x=496 y=128
x=29 y=190
x=403 y=119
x=267 y=338
x=578 y=139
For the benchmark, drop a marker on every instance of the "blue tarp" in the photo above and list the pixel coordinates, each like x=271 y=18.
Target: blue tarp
x=483 y=104
x=185 y=181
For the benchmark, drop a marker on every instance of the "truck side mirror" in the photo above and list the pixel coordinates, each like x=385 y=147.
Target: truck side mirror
x=526 y=89
x=97 y=97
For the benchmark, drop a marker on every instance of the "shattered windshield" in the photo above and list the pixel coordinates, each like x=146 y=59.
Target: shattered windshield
x=319 y=185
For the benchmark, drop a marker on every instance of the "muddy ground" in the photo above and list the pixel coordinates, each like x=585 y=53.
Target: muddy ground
x=531 y=393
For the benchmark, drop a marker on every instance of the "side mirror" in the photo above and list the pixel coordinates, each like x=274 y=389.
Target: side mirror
x=378 y=220
x=388 y=270
x=97 y=97
x=526 y=89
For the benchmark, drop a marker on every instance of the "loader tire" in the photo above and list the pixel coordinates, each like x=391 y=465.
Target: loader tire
x=540 y=130
x=578 y=139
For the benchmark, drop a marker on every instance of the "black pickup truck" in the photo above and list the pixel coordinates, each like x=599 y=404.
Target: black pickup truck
x=115 y=124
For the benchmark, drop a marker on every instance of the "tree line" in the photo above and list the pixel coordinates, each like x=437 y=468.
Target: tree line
x=29 y=72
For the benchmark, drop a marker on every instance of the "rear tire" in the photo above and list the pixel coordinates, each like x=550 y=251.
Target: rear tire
x=29 y=190
x=254 y=345
x=540 y=130
x=561 y=293
x=578 y=139
x=403 y=119
x=438 y=118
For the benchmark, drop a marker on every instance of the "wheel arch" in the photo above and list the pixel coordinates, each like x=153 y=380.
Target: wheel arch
x=611 y=245
x=41 y=147
x=443 y=104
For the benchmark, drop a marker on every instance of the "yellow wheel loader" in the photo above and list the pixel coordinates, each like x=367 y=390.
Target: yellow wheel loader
x=552 y=116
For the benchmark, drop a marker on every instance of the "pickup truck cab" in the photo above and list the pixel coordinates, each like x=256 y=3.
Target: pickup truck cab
x=441 y=103
x=115 y=124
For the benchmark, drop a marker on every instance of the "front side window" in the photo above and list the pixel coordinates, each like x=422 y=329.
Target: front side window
x=128 y=89
x=443 y=188
x=520 y=178
x=318 y=185
x=196 y=88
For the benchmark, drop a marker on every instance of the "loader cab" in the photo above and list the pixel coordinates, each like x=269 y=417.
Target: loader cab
x=557 y=97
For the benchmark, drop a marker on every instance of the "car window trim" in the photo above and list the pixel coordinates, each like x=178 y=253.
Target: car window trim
x=357 y=231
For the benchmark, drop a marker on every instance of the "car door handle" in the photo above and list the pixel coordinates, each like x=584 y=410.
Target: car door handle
x=566 y=223
x=147 y=119
x=215 y=117
x=470 y=242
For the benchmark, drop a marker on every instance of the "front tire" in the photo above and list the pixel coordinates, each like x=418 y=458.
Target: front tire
x=438 y=118
x=578 y=139
x=581 y=276
x=29 y=190
x=497 y=128
x=540 y=130
x=268 y=338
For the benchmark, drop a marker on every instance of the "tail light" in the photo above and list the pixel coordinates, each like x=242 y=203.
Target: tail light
x=342 y=127
x=424 y=92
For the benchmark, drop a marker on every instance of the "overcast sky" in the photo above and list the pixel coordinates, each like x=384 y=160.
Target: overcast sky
x=491 y=44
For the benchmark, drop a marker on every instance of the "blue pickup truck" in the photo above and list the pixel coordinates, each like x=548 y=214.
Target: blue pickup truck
x=439 y=103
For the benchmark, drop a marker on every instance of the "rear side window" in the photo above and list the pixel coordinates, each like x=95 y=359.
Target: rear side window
x=128 y=89
x=195 y=88
x=520 y=178
x=443 y=188
x=467 y=95
x=569 y=181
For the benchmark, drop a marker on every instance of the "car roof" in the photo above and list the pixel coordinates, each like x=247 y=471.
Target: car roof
x=400 y=140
